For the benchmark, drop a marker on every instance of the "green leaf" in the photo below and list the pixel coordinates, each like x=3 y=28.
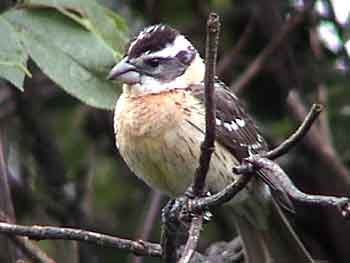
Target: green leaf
x=107 y=25
x=69 y=74
x=71 y=56
x=13 y=59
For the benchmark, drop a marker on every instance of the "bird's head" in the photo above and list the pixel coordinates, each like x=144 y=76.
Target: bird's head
x=159 y=59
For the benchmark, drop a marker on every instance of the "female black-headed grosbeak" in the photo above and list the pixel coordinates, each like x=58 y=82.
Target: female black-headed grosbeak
x=160 y=123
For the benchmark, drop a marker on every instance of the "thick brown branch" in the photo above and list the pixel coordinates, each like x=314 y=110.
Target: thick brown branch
x=48 y=232
x=274 y=171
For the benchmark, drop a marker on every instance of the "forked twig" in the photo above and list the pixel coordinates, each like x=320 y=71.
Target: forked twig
x=247 y=170
x=297 y=135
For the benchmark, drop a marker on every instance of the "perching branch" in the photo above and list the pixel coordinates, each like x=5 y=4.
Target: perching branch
x=297 y=135
x=193 y=237
x=207 y=147
x=248 y=171
x=48 y=232
x=273 y=170
x=223 y=196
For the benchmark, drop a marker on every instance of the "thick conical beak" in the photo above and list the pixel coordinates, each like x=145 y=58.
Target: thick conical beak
x=124 y=72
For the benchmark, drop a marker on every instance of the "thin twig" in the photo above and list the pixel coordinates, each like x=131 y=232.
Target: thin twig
x=318 y=55
x=273 y=45
x=325 y=152
x=48 y=232
x=6 y=205
x=148 y=222
x=297 y=135
x=193 y=237
x=230 y=191
x=342 y=204
x=223 y=196
x=31 y=250
x=207 y=147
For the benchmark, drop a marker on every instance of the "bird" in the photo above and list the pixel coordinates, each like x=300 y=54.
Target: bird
x=159 y=124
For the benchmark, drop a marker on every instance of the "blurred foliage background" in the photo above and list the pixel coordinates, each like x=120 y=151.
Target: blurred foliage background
x=61 y=165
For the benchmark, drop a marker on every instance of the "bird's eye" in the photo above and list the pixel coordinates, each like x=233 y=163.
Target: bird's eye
x=153 y=62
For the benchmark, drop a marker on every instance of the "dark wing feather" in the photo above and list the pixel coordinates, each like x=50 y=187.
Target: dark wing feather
x=241 y=138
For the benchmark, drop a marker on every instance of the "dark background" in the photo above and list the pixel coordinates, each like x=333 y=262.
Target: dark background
x=65 y=170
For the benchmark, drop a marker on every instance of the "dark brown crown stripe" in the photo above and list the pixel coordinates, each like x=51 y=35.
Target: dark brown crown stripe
x=153 y=39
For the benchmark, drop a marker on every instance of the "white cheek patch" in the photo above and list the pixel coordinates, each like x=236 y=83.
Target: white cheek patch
x=149 y=84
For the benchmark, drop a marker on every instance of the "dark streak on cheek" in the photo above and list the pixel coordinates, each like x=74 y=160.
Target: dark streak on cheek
x=186 y=56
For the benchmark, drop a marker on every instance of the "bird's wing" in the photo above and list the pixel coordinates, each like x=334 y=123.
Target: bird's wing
x=237 y=132
x=235 y=129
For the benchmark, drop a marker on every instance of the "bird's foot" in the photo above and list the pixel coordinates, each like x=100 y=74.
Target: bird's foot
x=174 y=214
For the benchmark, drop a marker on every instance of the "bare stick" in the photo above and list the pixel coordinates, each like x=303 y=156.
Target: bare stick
x=273 y=170
x=47 y=232
x=297 y=135
x=193 y=237
x=274 y=44
x=32 y=250
x=223 y=196
x=314 y=142
x=207 y=147
x=230 y=191
x=147 y=223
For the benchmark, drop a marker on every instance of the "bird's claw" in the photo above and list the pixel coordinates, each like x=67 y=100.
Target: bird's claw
x=174 y=215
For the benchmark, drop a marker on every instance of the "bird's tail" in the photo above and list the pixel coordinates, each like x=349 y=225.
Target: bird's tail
x=277 y=242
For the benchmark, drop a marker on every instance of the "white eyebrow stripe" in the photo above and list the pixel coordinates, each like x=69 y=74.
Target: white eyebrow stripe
x=180 y=43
